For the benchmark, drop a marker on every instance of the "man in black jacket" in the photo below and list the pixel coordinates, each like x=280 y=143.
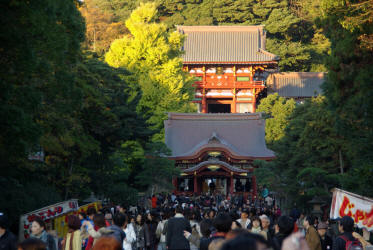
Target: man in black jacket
x=284 y=228
x=120 y=222
x=222 y=224
x=345 y=226
x=175 y=231
x=326 y=241
x=7 y=240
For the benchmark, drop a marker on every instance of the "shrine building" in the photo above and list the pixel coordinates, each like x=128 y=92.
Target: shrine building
x=296 y=85
x=215 y=148
x=229 y=64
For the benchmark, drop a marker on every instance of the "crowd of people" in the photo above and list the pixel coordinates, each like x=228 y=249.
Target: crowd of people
x=206 y=222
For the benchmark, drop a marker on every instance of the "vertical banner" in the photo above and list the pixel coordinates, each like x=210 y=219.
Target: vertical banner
x=359 y=208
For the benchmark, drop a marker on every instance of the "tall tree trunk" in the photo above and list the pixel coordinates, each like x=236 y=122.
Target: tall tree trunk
x=70 y=173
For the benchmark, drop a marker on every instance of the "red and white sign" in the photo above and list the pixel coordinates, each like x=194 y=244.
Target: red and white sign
x=359 y=208
x=46 y=214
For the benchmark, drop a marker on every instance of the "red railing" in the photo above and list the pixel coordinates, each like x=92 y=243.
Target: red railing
x=228 y=84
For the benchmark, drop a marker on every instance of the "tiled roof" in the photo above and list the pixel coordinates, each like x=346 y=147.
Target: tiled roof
x=296 y=84
x=225 y=44
x=242 y=134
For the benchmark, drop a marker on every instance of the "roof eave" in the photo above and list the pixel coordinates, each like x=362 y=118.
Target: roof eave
x=191 y=157
x=217 y=62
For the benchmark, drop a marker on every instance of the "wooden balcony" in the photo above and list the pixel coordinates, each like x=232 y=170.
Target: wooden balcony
x=229 y=84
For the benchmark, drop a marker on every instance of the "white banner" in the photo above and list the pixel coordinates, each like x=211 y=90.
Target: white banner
x=359 y=208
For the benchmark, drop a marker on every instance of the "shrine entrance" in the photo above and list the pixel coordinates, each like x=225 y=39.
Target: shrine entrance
x=215 y=185
x=214 y=176
x=219 y=108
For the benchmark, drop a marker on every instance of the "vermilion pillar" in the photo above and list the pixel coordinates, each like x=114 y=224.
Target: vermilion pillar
x=231 y=185
x=195 y=188
x=254 y=185
x=204 y=103
x=234 y=102
x=254 y=99
x=174 y=183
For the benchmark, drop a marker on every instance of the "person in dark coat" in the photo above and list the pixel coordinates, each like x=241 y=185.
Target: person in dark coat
x=120 y=222
x=326 y=241
x=32 y=243
x=175 y=228
x=222 y=224
x=345 y=227
x=284 y=228
x=139 y=228
x=7 y=240
x=149 y=230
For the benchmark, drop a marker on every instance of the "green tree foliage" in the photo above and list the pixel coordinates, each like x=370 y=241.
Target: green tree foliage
x=277 y=110
x=157 y=169
x=292 y=33
x=348 y=25
x=79 y=110
x=40 y=43
x=307 y=156
x=153 y=55
x=34 y=66
x=109 y=117
x=233 y=12
x=328 y=140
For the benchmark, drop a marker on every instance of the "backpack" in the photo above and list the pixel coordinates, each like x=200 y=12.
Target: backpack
x=352 y=244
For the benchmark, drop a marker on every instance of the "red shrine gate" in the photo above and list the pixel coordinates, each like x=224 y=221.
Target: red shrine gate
x=229 y=64
x=218 y=149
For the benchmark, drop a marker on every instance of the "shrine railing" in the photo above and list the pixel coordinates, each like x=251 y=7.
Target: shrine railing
x=227 y=84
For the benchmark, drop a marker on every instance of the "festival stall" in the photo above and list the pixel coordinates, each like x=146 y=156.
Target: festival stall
x=48 y=214
x=359 y=208
x=60 y=223
x=55 y=217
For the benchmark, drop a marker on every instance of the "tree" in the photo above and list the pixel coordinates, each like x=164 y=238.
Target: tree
x=40 y=47
x=153 y=55
x=277 y=110
x=307 y=156
x=101 y=27
x=292 y=33
x=232 y=12
x=157 y=169
x=348 y=85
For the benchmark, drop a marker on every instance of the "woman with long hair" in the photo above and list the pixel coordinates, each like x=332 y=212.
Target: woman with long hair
x=139 y=228
x=73 y=239
x=150 y=228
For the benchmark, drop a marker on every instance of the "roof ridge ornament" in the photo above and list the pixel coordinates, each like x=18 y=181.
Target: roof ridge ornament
x=214 y=138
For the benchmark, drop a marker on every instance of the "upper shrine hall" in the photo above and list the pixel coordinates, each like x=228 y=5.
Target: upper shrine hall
x=229 y=65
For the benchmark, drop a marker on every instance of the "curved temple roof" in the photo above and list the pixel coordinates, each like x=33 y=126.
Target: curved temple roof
x=241 y=134
x=225 y=44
